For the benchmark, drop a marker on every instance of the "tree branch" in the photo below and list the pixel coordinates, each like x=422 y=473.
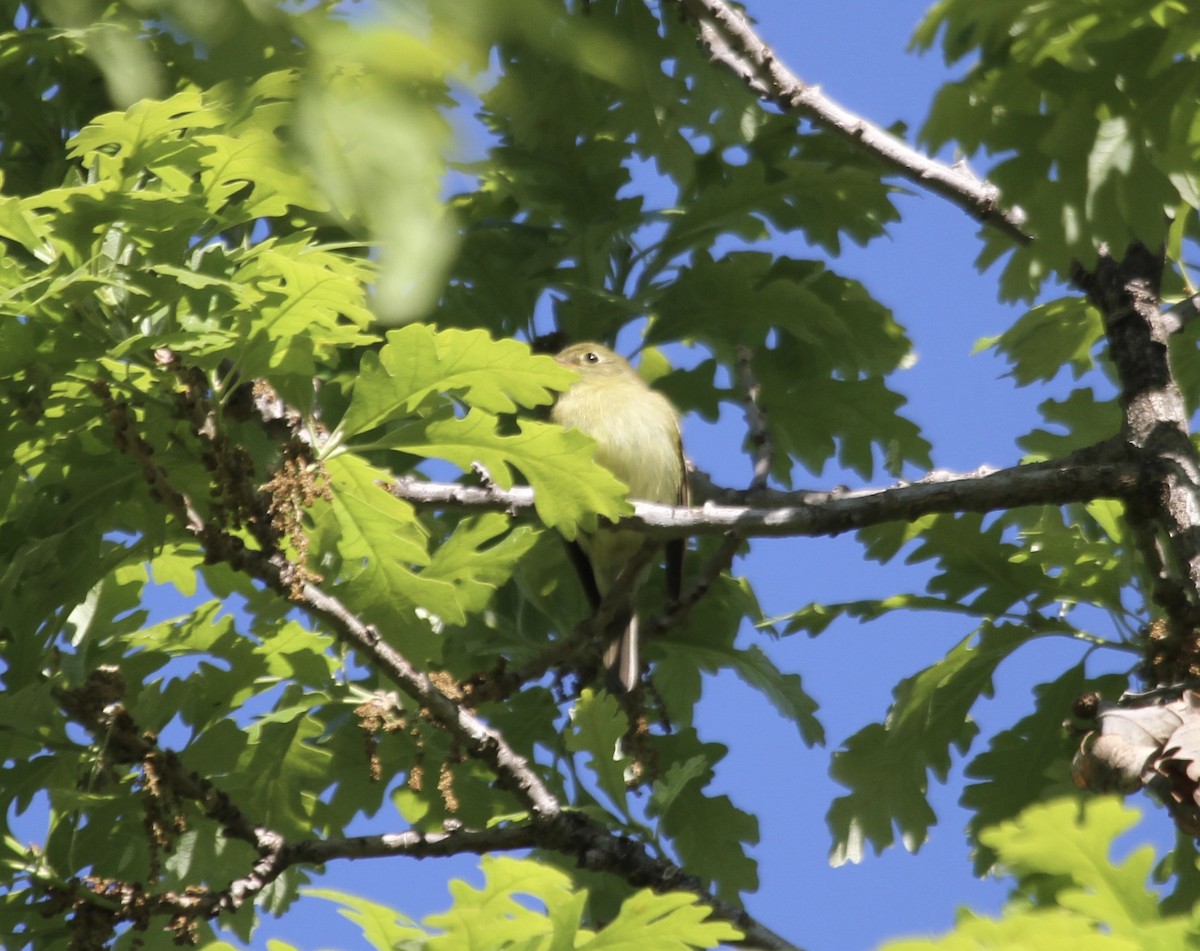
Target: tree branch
x=1176 y=317
x=97 y=706
x=733 y=42
x=827 y=513
x=1156 y=430
x=412 y=843
x=596 y=849
x=759 y=434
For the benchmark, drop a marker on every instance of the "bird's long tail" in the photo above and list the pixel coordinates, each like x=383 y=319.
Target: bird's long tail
x=621 y=660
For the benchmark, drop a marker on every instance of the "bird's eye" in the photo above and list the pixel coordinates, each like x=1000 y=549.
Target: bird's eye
x=591 y=357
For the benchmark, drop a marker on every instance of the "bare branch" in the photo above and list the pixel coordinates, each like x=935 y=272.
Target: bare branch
x=733 y=42
x=453 y=841
x=831 y=513
x=422 y=845
x=595 y=848
x=776 y=514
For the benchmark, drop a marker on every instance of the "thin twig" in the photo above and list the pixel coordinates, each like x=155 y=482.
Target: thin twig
x=678 y=612
x=761 y=441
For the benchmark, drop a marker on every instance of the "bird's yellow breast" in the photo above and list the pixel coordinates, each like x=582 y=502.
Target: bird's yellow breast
x=636 y=434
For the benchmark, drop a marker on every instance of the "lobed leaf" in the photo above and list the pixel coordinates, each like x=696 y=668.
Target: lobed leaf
x=886 y=765
x=417 y=362
x=598 y=728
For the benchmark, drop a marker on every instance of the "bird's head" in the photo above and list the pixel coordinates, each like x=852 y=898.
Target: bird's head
x=594 y=361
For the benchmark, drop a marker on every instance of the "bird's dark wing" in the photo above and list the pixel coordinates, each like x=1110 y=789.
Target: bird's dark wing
x=587 y=577
x=677 y=546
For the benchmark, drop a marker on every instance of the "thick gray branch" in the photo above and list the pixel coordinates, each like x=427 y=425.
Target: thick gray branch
x=1156 y=429
x=733 y=43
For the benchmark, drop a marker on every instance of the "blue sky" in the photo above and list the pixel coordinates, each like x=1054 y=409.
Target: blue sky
x=856 y=50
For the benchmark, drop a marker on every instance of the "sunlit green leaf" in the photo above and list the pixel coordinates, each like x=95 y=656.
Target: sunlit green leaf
x=597 y=729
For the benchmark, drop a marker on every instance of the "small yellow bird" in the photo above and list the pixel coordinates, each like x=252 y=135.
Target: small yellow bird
x=636 y=430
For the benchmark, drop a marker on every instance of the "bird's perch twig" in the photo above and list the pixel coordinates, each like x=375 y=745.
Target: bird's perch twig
x=780 y=514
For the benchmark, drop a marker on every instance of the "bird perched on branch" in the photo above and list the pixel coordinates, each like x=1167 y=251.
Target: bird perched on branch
x=636 y=430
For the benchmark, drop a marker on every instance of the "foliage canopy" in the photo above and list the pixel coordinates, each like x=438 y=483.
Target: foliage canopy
x=265 y=356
